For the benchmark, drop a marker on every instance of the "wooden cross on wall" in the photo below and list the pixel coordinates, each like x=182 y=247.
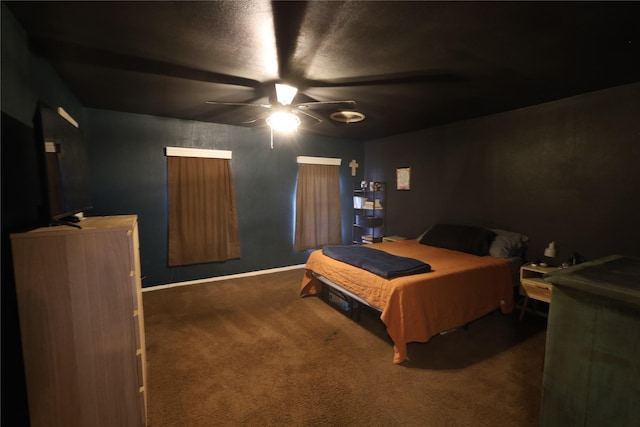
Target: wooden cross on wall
x=353 y=165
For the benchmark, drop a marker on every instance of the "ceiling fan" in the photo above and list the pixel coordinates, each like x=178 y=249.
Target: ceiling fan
x=284 y=114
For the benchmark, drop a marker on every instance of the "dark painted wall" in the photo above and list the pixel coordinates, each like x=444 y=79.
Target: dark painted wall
x=25 y=80
x=565 y=171
x=129 y=176
x=21 y=197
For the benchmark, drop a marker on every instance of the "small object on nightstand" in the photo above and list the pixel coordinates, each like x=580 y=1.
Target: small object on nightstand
x=550 y=255
x=550 y=251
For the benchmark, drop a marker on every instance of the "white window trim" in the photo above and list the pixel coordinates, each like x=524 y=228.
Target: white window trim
x=50 y=147
x=67 y=117
x=198 y=152
x=319 y=160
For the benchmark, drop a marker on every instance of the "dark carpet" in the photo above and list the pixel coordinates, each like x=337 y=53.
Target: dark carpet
x=251 y=352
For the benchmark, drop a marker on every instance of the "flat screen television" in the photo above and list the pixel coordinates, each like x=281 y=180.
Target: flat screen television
x=64 y=165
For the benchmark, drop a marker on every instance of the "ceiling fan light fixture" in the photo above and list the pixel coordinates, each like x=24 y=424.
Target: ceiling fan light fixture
x=283 y=121
x=285 y=93
x=347 y=116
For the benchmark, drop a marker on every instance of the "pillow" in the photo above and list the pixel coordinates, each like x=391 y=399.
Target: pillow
x=508 y=244
x=472 y=240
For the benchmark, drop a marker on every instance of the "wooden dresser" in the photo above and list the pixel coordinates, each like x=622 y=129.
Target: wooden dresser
x=592 y=360
x=81 y=322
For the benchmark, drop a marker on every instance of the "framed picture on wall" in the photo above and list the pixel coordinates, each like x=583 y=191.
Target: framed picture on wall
x=403 y=178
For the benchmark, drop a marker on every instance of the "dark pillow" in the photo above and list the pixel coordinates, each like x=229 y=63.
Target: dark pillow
x=463 y=238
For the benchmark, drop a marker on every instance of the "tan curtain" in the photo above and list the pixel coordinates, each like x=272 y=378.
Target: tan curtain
x=318 y=216
x=203 y=223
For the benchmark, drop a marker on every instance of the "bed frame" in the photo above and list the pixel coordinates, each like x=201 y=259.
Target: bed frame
x=354 y=301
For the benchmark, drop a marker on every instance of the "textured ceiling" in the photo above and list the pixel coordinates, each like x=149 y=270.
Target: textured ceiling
x=407 y=65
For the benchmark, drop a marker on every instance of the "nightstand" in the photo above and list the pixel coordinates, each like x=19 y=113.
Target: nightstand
x=532 y=285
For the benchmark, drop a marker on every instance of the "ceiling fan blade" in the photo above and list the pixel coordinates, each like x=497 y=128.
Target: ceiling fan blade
x=241 y=104
x=434 y=76
x=313 y=116
x=317 y=105
x=260 y=117
x=57 y=50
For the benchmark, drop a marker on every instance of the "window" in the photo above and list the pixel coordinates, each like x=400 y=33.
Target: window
x=318 y=213
x=203 y=222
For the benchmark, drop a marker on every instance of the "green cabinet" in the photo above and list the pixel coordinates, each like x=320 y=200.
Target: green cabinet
x=592 y=360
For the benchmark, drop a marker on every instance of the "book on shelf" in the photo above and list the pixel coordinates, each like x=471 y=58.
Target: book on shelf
x=369 y=204
x=368 y=238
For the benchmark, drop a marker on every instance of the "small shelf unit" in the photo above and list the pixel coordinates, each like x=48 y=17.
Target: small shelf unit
x=368 y=214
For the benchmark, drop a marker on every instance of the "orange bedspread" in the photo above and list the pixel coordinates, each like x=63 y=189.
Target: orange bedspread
x=461 y=288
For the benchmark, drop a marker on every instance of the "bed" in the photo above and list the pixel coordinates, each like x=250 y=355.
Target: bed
x=470 y=276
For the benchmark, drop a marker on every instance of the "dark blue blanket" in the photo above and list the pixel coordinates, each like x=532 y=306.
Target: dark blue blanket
x=377 y=262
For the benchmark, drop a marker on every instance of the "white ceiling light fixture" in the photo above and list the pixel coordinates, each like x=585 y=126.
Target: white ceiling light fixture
x=285 y=93
x=283 y=121
x=347 y=116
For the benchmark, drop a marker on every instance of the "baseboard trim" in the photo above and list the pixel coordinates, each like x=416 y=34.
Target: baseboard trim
x=219 y=278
